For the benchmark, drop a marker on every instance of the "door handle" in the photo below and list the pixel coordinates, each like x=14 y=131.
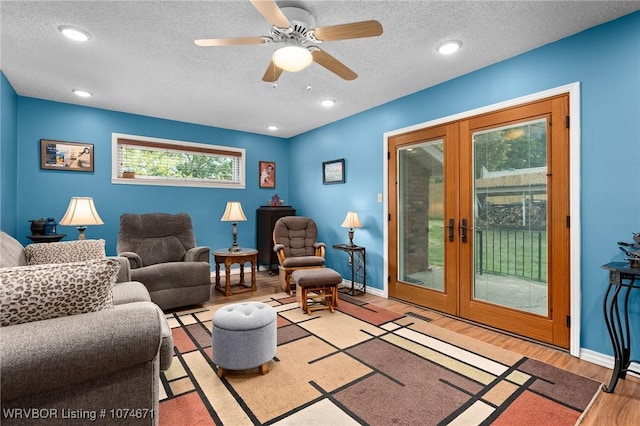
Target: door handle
x=450 y=227
x=463 y=230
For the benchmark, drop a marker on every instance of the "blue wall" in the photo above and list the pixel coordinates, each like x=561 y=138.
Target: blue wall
x=604 y=59
x=8 y=149
x=46 y=193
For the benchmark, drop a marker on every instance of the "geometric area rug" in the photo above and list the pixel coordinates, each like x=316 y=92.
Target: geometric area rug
x=364 y=365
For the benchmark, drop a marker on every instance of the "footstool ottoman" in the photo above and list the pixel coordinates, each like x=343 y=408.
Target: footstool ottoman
x=244 y=336
x=318 y=285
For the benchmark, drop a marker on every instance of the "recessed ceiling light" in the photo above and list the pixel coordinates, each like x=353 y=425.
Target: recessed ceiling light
x=72 y=33
x=448 y=47
x=82 y=93
x=272 y=127
x=328 y=103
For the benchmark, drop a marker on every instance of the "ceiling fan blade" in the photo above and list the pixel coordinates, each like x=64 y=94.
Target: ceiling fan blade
x=272 y=73
x=348 y=31
x=229 y=41
x=332 y=64
x=271 y=12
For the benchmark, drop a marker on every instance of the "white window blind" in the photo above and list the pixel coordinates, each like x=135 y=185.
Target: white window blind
x=142 y=160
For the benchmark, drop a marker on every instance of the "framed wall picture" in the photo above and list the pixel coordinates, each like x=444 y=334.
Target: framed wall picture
x=73 y=156
x=333 y=171
x=267 y=170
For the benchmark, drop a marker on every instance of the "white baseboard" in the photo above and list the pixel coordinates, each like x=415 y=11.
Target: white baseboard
x=374 y=291
x=606 y=361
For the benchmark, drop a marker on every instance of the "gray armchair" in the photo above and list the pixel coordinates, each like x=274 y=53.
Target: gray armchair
x=163 y=255
x=294 y=240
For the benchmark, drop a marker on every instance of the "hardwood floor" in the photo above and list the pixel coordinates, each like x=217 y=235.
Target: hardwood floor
x=621 y=408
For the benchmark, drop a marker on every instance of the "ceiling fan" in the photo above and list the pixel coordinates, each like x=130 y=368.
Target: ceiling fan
x=293 y=28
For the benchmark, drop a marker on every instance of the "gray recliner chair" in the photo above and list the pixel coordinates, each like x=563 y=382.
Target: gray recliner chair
x=163 y=255
x=294 y=240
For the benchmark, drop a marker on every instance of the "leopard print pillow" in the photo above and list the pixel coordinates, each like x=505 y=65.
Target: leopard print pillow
x=39 y=292
x=64 y=251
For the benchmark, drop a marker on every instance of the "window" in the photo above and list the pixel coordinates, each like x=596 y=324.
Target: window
x=140 y=160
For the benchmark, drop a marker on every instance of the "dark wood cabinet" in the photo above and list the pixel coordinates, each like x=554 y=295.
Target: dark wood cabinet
x=266 y=219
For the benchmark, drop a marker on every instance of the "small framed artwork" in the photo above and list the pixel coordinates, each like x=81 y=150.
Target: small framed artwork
x=267 y=170
x=58 y=155
x=333 y=171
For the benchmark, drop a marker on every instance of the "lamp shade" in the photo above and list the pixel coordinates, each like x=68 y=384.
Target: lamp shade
x=351 y=221
x=233 y=212
x=81 y=212
x=292 y=58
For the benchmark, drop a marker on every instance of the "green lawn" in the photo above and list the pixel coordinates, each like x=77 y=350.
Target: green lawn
x=505 y=252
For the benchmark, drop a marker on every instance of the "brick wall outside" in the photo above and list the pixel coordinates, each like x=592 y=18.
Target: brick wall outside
x=414 y=211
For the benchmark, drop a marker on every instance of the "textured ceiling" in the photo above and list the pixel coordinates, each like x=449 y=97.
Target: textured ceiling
x=141 y=57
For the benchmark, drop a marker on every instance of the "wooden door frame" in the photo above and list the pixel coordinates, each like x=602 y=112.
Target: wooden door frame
x=573 y=89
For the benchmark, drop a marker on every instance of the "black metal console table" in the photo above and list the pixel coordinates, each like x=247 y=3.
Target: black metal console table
x=622 y=279
x=358 y=262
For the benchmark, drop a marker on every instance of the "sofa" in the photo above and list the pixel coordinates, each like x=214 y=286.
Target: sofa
x=74 y=361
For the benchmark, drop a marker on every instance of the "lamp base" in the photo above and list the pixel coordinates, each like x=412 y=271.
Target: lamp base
x=351 y=238
x=81 y=230
x=234 y=231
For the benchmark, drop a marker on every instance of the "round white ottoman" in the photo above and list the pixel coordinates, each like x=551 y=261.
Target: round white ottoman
x=244 y=336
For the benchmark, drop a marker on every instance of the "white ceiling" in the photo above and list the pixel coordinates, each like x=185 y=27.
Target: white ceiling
x=141 y=57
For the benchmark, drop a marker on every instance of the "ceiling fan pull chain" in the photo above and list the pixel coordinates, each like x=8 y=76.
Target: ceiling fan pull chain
x=275 y=82
x=309 y=79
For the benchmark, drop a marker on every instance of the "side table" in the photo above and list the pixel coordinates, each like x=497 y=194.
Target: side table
x=358 y=262
x=39 y=238
x=226 y=257
x=622 y=279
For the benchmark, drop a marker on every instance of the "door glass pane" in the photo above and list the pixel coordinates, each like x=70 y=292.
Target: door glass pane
x=421 y=214
x=510 y=195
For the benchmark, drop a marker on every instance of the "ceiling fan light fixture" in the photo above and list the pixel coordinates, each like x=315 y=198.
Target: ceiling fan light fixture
x=448 y=47
x=74 y=34
x=292 y=58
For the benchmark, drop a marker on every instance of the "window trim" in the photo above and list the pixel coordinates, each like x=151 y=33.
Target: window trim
x=176 y=145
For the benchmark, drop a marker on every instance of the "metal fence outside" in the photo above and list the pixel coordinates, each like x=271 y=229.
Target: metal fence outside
x=515 y=252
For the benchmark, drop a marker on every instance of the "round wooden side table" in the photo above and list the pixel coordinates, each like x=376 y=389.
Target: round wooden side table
x=39 y=238
x=228 y=258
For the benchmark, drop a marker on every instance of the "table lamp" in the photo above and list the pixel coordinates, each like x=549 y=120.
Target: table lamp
x=351 y=221
x=81 y=213
x=234 y=214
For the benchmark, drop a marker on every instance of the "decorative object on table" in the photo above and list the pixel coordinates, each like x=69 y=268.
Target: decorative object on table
x=267 y=170
x=333 y=171
x=81 y=213
x=351 y=221
x=57 y=155
x=275 y=200
x=50 y=226
x=129 y=173
x=233 y=213
x=632 y=256
x=37 y=226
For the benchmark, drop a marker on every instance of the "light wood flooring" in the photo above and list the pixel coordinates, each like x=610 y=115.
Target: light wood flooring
x=621 y=408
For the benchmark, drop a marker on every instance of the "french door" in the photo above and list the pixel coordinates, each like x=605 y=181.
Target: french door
x=479 y=219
